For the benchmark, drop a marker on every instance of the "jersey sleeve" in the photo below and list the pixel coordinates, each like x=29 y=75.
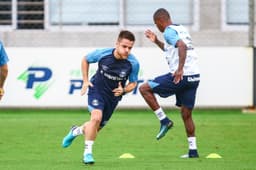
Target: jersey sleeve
x=135 y=69
x=3 y=56
x=171 y=36
x=96 y=55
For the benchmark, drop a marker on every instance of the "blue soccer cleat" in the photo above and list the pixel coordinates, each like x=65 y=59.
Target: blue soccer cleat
x=88 y=159
x=67 y=140
x=164 y=129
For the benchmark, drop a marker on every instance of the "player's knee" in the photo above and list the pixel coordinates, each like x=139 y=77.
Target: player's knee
x=143 y=88
x=185 y=116
x=186 y=113
x=96 y=120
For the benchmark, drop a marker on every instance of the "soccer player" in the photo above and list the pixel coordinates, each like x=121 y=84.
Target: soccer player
x=3 y=68
x=182 y=80
x=106 y=88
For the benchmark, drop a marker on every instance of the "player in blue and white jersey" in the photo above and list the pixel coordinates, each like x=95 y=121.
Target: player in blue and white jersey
x=117 y=74
x=3 y=68
x=182 y=80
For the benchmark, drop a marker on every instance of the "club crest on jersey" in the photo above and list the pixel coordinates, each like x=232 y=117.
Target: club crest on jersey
x=95 y=102
x=104 y=67
x=122 y=74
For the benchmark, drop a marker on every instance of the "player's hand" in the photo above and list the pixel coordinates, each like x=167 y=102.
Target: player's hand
x=1 y=93
x=150 y=35
x=85 y=86
x=119 y=90
x=178 y=76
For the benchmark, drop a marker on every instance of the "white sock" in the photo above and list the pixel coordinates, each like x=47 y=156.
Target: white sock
x=160 y=114
x=78 y=131
x=88 y=146
x=192 y=143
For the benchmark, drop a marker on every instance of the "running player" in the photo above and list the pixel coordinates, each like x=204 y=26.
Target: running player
x=182 y=81
x=106 y=88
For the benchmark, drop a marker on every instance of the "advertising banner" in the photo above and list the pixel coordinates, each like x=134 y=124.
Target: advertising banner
x=51 y=77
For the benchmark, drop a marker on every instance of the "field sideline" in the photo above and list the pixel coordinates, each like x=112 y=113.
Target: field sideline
x=31 y=140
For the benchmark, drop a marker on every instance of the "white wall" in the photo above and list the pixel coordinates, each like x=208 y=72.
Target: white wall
x=226 y=77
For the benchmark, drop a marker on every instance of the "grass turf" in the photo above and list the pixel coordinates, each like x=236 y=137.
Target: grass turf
x=31 y=139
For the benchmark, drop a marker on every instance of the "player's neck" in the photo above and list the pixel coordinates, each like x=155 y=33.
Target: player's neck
x=117 y=56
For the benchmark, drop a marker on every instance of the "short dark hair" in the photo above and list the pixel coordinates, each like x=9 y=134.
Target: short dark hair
x=161 y=13
x=127 y=35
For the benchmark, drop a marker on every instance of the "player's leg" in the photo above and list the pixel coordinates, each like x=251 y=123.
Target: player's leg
x=147 y=91
x=91 y=129
x=149 y=97
x=72 y=134
x=93 y=125
x=190 y=131
x=186 y=114
x=186 y=100
x=101 y=112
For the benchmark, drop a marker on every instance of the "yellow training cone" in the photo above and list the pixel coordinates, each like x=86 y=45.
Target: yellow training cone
x=213 y=155
x=126 y=156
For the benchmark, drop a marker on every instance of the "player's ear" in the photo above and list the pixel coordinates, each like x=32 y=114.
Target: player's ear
x=117 y=43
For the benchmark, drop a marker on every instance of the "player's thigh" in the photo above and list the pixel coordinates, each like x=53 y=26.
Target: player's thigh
x=163 y=85
x=96 y=114
x=95 y=101
x=187 y=95
x=110 y=106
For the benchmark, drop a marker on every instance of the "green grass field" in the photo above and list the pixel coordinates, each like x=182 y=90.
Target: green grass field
x=31 y=140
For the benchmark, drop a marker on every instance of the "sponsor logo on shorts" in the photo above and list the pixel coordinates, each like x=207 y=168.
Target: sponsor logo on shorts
x=193 y=79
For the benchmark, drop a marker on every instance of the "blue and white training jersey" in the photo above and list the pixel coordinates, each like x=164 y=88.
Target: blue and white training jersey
x=172 y=34
x=3 y=56
x=111 y=71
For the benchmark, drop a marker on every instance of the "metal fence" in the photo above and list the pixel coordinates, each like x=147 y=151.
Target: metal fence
x=220 y=22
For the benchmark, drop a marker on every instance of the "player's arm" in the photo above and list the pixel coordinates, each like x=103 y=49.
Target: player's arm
x=172 y=38
x=92 y=57
x=152 y=36
x=3 y=75
x=85 y=70
x=129 y=87
x=182 y=49
x=123 y=90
